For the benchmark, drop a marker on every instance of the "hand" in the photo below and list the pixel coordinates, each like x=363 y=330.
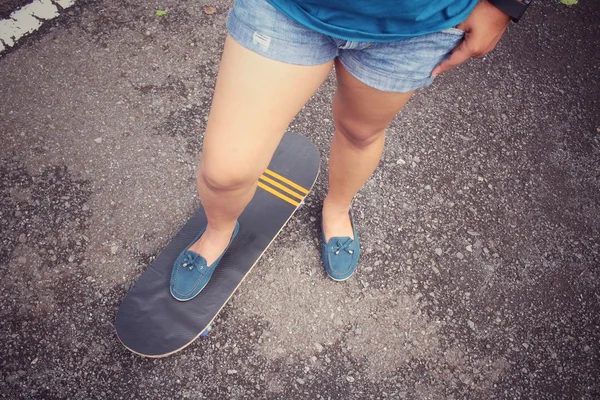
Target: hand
x=483 y=29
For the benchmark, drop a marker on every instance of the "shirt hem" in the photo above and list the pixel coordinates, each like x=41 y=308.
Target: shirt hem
x=366 y=37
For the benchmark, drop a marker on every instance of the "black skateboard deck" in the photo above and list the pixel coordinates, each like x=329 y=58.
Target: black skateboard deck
x=151 y=323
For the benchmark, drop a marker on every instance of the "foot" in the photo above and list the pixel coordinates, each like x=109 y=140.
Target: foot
x=336 y=221
x=340 y=254
x=212 y=244
x=191 y=271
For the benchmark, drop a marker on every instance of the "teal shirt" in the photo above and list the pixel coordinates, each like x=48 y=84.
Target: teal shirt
x=376 y=20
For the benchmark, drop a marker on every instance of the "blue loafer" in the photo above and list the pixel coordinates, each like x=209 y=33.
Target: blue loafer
x=190 y=273
x=340 y=254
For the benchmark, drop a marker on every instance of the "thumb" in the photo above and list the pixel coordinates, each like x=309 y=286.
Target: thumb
x=459 y=55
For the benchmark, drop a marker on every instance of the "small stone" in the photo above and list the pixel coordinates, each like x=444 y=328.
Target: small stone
x=300 y=381
x=231 y=372
x=18 y=213
x=22 y=238
x=85 y=207
x=350 y=379
x=435 y=269
x=210 y=10
x=464 y=378
x=357 y=331
x=460 y=255
x=147 y=33
x=98 y=140
x=472 y=233
x=34 y=361
x=469 y=248
x=113 y=250
x=319 y=347
x=71 y=258
x=471 y=324
x=438 y=251
x=400 y=162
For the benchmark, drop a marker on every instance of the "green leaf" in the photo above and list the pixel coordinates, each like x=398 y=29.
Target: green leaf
x=162 y=13
x=569 y=2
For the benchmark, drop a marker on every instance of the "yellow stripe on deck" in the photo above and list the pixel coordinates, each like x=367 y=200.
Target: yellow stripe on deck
x=278 y=194
x=280 y=186
x=287 y=181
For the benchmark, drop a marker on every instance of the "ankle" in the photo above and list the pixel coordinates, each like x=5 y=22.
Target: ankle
x=219 y=234
x=337 y=207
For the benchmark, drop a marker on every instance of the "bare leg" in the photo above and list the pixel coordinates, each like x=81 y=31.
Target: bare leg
x=255 y=100
x=360 y=115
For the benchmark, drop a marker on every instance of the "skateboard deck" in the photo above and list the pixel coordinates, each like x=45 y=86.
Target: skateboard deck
x=151 y=323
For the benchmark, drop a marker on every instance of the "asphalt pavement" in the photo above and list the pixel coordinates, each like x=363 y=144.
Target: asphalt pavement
x=480 y=272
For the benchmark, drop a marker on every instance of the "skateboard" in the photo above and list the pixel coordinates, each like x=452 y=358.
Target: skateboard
x=151 y=323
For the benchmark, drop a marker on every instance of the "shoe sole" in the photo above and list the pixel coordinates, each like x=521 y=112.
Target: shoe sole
x=342 y=280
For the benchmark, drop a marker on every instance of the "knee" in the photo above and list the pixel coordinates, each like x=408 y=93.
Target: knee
x=358 y=134
x=223 y=177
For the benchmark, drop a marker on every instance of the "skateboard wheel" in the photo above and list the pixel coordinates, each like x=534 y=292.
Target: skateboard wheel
x=206 y=331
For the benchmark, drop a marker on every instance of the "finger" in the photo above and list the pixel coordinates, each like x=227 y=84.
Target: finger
x=462 y=26
x=458 y=56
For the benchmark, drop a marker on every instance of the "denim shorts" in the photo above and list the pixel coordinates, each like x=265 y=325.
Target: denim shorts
x=392 y=67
